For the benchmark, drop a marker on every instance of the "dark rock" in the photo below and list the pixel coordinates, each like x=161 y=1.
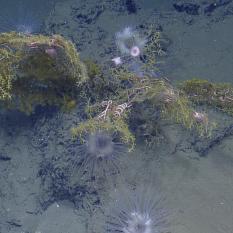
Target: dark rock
x=87 y=17
x=4 y=157
x=203 y=150
x=210 y=8
x=14 y=223
x=58 y=186
x=131 y=6
x=189 y=8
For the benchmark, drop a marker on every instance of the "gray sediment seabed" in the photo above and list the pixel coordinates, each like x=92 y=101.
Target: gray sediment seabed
x=37 y=193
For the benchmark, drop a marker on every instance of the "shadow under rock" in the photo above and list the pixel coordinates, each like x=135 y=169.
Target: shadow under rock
x=13 y=119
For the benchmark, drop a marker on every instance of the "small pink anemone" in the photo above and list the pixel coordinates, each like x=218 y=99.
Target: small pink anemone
x=135 y=51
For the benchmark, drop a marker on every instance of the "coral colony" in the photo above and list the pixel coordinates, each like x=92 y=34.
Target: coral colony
x=30 y=62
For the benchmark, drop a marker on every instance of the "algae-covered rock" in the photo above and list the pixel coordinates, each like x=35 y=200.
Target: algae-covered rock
x=219 y=95
x=38 y=70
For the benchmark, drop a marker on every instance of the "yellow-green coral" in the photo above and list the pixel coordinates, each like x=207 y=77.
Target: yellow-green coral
x=5 y=86
x=155 y=48
x=173 y=103
x=93 y=69
x=39 y=70
x=6 y=73
x=180 y=111
x=219 y=95
x=118 y=125
x=153 y=93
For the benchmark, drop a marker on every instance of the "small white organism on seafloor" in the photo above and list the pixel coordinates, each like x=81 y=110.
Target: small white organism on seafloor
x=117 y=61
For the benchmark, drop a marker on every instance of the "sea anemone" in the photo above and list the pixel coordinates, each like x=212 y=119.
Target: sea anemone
x=135 y=51
x=130 y=42
x=100 y=154
x=137 y=211
x=200 y=117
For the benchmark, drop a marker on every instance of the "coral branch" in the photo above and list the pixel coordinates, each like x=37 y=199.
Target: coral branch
x=102 y=115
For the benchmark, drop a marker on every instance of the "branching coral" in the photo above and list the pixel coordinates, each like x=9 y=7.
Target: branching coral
x=6 y=76
x=5 y=86
x=173 y=103
x=108 y=120
x=39 y=70
x=219 y=95
x=112 y=115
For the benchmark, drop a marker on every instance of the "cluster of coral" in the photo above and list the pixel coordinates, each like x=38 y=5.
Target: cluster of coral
x=218 y=95
x=122 y=101
x=46 y=70
x=128 y=90
x=38 y=70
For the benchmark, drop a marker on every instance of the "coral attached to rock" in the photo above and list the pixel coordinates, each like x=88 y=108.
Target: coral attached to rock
x=38 y=70
x=219 y=95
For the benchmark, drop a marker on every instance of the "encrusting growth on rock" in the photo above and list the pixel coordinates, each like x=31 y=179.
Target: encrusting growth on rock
x=38 y=70
x=219 y=95
x=46 y=70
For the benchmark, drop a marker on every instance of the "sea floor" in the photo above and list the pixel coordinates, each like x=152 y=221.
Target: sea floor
x=194 y=176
